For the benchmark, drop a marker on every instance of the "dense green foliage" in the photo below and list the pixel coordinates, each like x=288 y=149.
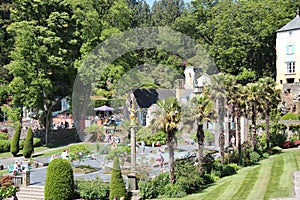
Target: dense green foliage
x=4 y=136
x=92 y=189
x=5 y=145
x=117 y=184
x=28 y=148
x=14 y=147
x=7 y=187
x=59 y=183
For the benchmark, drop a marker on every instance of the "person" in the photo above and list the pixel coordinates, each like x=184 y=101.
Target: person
x=52 y=157
x=143 y=146
x=232 y=141
x=19 y=167
x=65 y=154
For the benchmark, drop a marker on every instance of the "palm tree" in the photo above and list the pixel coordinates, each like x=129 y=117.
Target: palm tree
x=235 y=99
x=201 y=108
x=270 y=100
x=167 y=116
x=217 y=90
x=253 y=101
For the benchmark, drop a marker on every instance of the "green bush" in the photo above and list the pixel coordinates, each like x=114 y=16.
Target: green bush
x=14 y=147
x=229 y=170
x=154 y=188
x=276 y=150
x=4 y=145
x=174 y=191
x=209 y=178
x=185 y=175
x=290 y=116
x=4 y=136
x=7 y=187
x=59 y=180
x=28 y=144
x=37 y=142
x=254 y=157
x=116 y=185
x=92 y=189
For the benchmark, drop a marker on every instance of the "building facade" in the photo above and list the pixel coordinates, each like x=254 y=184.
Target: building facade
x=288 y=53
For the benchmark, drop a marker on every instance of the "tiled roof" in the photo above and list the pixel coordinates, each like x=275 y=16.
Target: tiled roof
x=292 y=25
x=146 y=97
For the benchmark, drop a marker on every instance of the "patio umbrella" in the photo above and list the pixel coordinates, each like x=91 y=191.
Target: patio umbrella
x=104 y=108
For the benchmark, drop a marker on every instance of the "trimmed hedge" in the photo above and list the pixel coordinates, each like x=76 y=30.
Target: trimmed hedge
x=28 y=144
x=59 y=180
x=117 y=184
x=37 y=142
x=14 y=147
x=290 y=116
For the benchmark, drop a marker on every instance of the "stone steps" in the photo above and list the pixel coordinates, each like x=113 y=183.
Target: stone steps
x=30 y=193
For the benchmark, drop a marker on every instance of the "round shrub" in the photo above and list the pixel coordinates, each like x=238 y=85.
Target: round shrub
x=14 y=147
x=37 y=142
x=174 y=191
x=4 y=136
x=28 y=144
x=117 y=184
x=59 y=180
x=229 y=170
x=254 y=157
x=290 y=116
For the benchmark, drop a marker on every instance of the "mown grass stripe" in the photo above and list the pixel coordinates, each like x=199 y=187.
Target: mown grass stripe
x=260 y=186
x=213 y=192
x=274 y=182
x=248 y=183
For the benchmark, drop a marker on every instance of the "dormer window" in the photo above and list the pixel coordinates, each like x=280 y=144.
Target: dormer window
x=290 y=67
x=290 y=49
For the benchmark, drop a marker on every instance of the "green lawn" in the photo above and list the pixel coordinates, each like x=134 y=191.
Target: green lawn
x=271 y=178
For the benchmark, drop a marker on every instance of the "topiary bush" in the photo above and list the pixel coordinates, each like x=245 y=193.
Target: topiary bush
x=59 y=180
x=28 y=144
x=117 y=184
x=14 y=147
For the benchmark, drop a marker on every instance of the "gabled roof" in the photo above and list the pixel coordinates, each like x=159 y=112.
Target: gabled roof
x=146 y=97
x=292 y=25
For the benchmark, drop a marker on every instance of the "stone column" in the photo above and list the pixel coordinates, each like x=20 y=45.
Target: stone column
x=26 y=178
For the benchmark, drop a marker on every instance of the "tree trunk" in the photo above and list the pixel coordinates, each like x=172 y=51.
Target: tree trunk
x=170 y=143
x=200 y=141
x=221 y=129
x=47 y=125
x=253 y=119
x=238 y=133
x=267 y=112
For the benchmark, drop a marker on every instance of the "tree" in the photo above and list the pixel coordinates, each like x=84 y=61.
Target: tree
x=28 y=148
x=270 y=100
x=59 y=183
x=165 y=12
x=116 y=185
x=14 y=147
x=201 y=108
x=167 y=115
x=217 y=91
x=45 y=47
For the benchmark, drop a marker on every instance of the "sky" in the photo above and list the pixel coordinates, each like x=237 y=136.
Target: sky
x=150 y=2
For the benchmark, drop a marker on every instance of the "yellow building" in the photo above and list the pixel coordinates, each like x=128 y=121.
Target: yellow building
x=288 y=55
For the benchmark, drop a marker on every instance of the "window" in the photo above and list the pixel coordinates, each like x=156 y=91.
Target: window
x=290 y=33
x=290 y=49
x=280 y=81
x=290 y=67
x=290 y=80
x=144 y=117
